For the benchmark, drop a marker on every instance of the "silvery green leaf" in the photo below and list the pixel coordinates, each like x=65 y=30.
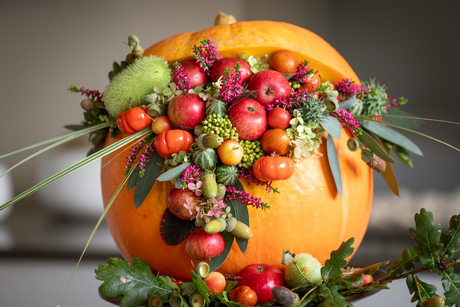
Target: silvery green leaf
x=347 y=103
x=173 y=173
x=332 y=126
x=334 y=163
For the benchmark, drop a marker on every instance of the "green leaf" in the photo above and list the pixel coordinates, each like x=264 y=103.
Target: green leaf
x=331 y=297
x=216 y=262
x=451 y=285
x=451 y=240
x=135 y=282
x=133 y=179
x=241 y=213
x=332 y=269
x=96 y=156
x=391 y=135
x=406 y=120
x=427 y=235
x=406 y=262
x=426 y=290
x=332 y=126
x=201 y=287
x=173 y=173
x=390 y=178
x=347 y=103
x=371 y=269
x=334 y=164
x=373 y=145
x=145 y=183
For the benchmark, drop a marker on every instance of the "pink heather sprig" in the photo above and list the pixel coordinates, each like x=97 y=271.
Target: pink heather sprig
x=133 y=153
x=392 y=102
x=287 y=103
x=231 y=85
x=246 y=199
x=302 y=72
x=180 y=78
x=189 y=175
x=144 y=158
x=94 y=95
x=206 y=54
x=348 y=121
x=248 y=174
x=347 y=88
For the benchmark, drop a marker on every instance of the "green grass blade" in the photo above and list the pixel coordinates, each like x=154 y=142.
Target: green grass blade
x=81 y=163
x=97 y=226
x=416 y=132
x=369 y=117
x=58 y=138
x=69 y=137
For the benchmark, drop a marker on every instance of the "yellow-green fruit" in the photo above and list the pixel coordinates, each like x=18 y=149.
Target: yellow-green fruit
x=310 y=268
x=209 y=186
x=215 y=226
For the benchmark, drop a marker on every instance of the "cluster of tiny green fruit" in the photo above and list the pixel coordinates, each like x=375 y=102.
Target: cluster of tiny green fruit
x=215 y=124
x=252 y=152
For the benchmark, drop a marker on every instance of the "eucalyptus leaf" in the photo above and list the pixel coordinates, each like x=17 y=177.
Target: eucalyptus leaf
x=177 y=183
x=332 y=126
x=241 y=213
x=406 y=120
x=391 y=135
x=173 y=173
x=145 y=183
x=334 y=164
x=373 y=145
x=347 y=103
x=216 y=262
x=133 y=178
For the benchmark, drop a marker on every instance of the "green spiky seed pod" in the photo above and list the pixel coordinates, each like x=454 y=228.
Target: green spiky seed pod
x=205 y=159
x=209 y=185
x=227 y=174
x=134 y=82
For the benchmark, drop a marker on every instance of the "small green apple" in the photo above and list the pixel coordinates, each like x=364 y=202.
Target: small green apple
x=310 y=268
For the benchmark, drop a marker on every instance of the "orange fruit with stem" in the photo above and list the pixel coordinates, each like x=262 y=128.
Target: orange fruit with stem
x=284 y=61
x=275 y=141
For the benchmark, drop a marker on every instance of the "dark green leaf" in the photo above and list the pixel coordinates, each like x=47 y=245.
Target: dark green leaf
x=373 y=145
x=347 y=103
x=332 y=269
x=201 y=287
x=427 y=235
x=426 y=290
x=241 y=213
x=451 y=240
x=334 y=164
x=216 y=262
x=135 y=282
x=332 y=126
x=173 y=173
x=451 y=285
x=331 y=297
x=406 y=262
x=410 y=123
x=145 y=183
x=403 y=155
x=391 y=135
x=133 y=178
x=174 y=230
x=390 y=179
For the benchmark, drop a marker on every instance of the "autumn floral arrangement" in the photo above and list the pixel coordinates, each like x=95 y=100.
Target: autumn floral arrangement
x=203 y=124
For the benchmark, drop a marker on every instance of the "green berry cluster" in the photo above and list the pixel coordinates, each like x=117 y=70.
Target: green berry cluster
x=252 y=152
x=215 y=124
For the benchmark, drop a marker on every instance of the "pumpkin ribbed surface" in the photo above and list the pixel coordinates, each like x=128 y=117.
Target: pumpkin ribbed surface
x=307 y=216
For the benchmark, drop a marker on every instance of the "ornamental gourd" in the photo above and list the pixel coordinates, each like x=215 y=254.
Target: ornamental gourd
x=173 y=141
x=272 y=168
x=308 y=215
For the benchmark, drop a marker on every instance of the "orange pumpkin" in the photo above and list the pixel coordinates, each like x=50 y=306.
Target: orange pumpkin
x=307 y=216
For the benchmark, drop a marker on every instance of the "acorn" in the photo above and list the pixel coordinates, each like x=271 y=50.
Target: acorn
x=197 y=300
x=198 y=130
x=435 y=301
x=206 y=141
x=221 y=190
x=174 y=301
x=209 y=186
x=353 y=144
x=86 y=104
x=215 y=226
x=285 y=297
x=202 y=269
x=377 y=164
x=367 y=155
x=238 y=229
x=155 y=301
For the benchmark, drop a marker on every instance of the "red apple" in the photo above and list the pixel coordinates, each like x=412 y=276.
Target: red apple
x=196 y=75
x=230 y=152
x=176 y=200
x=261 y=278
x=270 y=85
x=216 y=282
x=202 y=245
x=219 y=67
x=161 y=124
x=249 y=118
x=186 y=111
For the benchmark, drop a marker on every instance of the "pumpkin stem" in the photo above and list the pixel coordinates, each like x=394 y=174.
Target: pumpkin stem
x=224 y=19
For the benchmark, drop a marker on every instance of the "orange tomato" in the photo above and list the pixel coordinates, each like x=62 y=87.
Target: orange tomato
x=271 y=168
x=284 y=61
x=173 y=141
x=275 y=140
x=133 y=120
x=243 y=295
